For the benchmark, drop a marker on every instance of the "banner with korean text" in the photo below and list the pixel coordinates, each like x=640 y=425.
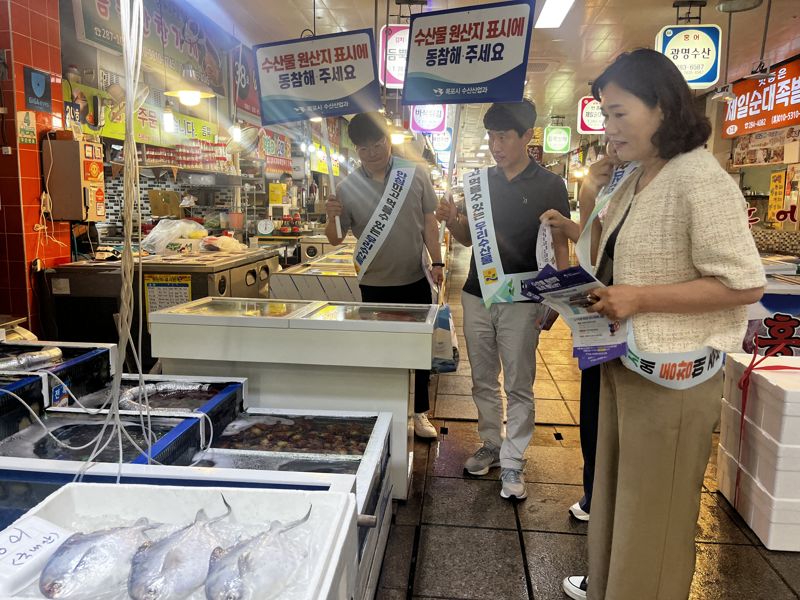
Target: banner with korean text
x=469 y=55
x=329 y=75
x=765 y=104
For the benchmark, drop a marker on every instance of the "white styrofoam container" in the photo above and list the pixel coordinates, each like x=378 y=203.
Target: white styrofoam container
x=775 y=466
x=334 y=552
x=773 y=402
x=776 y=521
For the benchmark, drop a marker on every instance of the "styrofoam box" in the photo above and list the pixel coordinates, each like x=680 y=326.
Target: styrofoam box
x=90 y=506
x=773 y=402
x=775 y=466
x=776 y=521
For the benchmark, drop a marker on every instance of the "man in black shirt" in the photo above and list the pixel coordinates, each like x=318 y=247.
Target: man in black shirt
x=505 y=329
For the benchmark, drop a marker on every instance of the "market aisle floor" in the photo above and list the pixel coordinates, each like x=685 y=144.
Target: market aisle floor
x=456 y=538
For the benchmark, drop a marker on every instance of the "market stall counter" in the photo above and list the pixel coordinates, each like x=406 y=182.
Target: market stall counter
x=307 y=355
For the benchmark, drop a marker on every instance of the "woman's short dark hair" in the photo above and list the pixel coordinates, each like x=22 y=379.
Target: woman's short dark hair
x=656 y=81
x=503 y=116
x=367 y=128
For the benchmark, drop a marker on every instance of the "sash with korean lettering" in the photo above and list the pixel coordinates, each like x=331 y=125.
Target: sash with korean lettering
x=674 y=370
x=385 y=215
x=496 y=286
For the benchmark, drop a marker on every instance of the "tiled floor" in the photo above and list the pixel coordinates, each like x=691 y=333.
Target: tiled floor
x=456 y=538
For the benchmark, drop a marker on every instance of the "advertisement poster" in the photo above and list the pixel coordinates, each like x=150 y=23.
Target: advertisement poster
x=557 y=139
x=766 y=103
x=329 y=75
x=393 y=55
x=469 y=55
x=244 y=83
x=37 y=90
x=174 y=35
x=276 y=149
x=763 y=148
x=695 y=51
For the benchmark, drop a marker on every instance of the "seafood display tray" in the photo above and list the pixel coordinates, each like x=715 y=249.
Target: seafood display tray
x=221 y=403
x=85 y=368
x=32 y=388
x=89 y=507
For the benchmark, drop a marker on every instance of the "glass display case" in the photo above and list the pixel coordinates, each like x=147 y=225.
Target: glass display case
x=234 y=311
x=369 y=317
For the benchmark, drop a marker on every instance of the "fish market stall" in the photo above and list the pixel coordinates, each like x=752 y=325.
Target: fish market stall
x=303 y=355
x=178 y=542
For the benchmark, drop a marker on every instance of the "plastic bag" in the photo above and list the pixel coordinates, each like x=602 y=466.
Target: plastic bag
x=224 y=243
x=166 y=231
x=445 y=342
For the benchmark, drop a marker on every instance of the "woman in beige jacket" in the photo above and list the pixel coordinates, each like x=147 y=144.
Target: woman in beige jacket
x=681 y=266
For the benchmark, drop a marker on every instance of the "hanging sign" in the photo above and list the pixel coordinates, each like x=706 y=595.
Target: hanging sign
x=243 y=84
x=695 y=51
x=329 y=75
x=469 y=55
x=557 y=139
x=393 y=55
x=776 y=189
x=428 y=118
x=765 y=104
x=590 y=119
x=174 y=34
x=442 y=142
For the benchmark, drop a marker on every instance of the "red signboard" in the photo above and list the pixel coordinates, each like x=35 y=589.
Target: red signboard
x=765 y=104
x=243 y=74
x=277 y=151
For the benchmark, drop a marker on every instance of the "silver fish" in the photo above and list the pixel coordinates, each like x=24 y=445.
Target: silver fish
x=87 y=565
x=176 y=565
x=258 y=567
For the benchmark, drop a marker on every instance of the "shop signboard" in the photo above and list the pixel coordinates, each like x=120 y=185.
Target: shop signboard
x=329 y=75
x=277 y=151
x=762 y=148
x=443 y=141
x=393 y=55
x=174 y=35
x=429 y=118
x=765 y=104
x=695 y=51
x=469 y=55
x=776 y=191
x=557 y=139
x=243 y=81
x=319 y=162
x=590 y=118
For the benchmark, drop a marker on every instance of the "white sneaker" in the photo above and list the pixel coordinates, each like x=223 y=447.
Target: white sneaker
x=575 y=586
x=423 y=427
x=576 y=511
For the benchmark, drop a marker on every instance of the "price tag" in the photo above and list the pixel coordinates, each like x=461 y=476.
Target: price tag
x=25 y=547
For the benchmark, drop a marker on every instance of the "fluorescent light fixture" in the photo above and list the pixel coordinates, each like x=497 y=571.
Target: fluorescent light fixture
x=316 y=119
x=553 y=14
x=480 y=154
x=168 y=118
x=484 y=146
x=236 y=133
x=486 y=137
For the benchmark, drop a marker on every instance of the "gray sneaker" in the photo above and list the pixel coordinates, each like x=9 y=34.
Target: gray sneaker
x=513 y=484
x=484 y=459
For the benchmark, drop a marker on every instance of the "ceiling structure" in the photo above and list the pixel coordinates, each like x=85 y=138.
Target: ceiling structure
x=562 y=61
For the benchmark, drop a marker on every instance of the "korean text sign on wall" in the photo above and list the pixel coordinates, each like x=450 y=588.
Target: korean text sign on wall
x=765 y=104
x=469 y=55
x=329 y=75
x=695 y=51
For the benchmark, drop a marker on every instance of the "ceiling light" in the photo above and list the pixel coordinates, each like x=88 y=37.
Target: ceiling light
x=486 y=137
x=236 y=133
x=553 y=14
x=191 y=89
x=316 y=119
x=724 y=94
x=480 y=154
x=730 y=6
x=382 y=110
x=398 y=138
x=168 y=118
x=484 y=147
x=303 y=147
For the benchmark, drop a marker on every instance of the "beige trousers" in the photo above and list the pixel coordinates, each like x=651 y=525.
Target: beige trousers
x=652 y=450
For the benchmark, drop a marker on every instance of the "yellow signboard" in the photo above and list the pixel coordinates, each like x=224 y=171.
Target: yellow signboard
x=776 y=194
x=319 y=161
x=276 y=193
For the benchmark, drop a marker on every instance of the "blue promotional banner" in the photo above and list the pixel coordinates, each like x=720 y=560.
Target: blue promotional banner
x=325 y=76
x=695 y=51
x=469 y=55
